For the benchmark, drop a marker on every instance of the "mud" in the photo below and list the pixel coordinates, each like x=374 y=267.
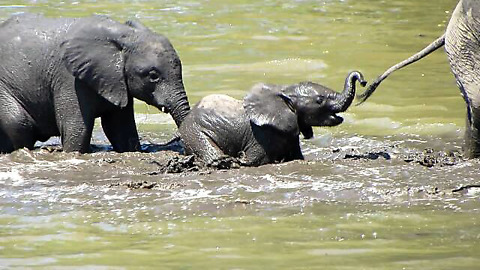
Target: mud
x=147 y=185
x=169 y=158
x=161 y=169
x=428 y=157
x=177 y=164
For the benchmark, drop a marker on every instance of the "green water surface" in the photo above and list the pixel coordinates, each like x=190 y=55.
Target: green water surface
x=56 y=213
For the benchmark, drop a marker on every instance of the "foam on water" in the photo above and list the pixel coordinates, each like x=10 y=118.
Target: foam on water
x=13 y=177
x=192 y=194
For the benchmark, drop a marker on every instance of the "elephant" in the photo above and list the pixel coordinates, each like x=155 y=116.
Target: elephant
x=462 y=45
x=265 y=127
x=57 y=75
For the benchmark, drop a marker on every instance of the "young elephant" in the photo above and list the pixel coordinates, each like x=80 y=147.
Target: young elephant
x=58 y=75
x=266 y=127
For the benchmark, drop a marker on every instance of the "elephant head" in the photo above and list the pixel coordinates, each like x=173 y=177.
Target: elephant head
x=121 y=61
x=296 y=108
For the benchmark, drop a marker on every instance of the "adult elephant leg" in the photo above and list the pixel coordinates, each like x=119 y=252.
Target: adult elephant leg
x=120 y=129
x=472 y=135
x=463 y=49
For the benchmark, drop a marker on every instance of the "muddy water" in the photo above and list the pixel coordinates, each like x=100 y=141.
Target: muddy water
x=387 y=189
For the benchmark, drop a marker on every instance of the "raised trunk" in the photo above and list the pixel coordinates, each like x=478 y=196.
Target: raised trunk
x=342 y=101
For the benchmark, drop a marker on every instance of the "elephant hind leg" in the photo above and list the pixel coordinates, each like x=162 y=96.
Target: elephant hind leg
x=6 y=145
x=472 y=133
x=121 y=131
x=16 y=136
x=469 y=86
x=16 y=139
x=16 y=129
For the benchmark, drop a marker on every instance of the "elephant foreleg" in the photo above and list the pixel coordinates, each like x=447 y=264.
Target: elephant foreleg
x=201 y=145
x=75 y=130
x=76 y=136
x=120 y=129
x=295 y=153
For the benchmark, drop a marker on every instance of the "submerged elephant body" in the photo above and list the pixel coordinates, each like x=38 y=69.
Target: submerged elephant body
x=58 y=75
x=265 y=127
x=462 y=45
x=219 y=126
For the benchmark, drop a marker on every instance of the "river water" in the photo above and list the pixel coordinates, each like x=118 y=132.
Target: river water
x=366 y=197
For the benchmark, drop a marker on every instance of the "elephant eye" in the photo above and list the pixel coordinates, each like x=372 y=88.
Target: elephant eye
x=154 y=76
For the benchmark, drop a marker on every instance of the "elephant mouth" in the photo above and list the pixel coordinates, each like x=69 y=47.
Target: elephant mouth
x=325 y=119
x=332 y=120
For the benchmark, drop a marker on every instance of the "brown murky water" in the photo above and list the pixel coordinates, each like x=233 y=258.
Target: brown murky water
x=368 y=195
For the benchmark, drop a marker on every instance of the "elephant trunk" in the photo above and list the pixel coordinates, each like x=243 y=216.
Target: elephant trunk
x=342 y=101
x=180 y=108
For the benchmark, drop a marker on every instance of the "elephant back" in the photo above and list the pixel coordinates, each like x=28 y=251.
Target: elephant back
x=222 y=119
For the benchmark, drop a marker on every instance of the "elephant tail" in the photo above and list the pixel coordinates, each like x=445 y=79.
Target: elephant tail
x=439 y=42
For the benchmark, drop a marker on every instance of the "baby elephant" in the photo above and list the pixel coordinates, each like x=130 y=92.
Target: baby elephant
x=266 y=127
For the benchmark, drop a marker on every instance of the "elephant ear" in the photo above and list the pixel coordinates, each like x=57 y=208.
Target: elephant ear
x=268 y=107
x=93 y=54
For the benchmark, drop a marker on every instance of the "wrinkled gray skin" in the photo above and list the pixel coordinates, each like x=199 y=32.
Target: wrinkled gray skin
x=58 y=75
x=264 y=128
x=462 y=44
